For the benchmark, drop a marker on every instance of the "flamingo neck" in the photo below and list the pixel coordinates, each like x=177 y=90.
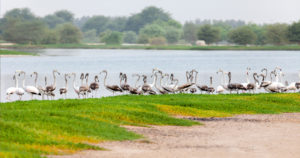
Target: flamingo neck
x=104 y=82
x=154 y=81
x=35 y=80
x=54 y=80
x=74 y=84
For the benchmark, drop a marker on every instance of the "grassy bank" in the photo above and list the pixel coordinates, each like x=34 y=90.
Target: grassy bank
x=167 y=47
x=35 y=128
x=11 y=52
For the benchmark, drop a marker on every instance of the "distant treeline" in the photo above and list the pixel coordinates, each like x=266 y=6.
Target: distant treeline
x=151 y=26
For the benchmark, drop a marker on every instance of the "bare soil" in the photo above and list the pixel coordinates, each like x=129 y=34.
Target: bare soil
x=267 y=136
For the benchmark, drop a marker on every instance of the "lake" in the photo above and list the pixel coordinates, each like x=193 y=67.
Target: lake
x=142 y=62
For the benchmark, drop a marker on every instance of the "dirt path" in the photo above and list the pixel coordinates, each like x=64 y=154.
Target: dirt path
x=239 y=136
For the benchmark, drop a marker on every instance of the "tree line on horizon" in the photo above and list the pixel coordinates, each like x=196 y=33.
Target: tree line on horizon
x=150 y=26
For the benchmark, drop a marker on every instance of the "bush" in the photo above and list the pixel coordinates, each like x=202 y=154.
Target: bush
x=111 y=37
x=130 y=37
x=68 y=33
x=242 y=35
x=157 y=41
x=209 y=34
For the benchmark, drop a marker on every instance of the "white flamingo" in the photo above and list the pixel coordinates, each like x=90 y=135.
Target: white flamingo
x=19 y=91
x=75 y=87
x=31 y=90
x=11 y=90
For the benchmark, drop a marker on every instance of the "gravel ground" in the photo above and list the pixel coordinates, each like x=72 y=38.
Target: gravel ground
x=268 y=136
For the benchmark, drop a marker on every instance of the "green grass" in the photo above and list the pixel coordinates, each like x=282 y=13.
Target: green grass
x=166 y=47
x=11 y=52
x=37 y=128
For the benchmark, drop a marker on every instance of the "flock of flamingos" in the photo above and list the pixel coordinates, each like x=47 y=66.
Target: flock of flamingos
x=163 y=83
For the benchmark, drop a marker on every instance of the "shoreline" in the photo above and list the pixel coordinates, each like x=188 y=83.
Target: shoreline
x=163 y=47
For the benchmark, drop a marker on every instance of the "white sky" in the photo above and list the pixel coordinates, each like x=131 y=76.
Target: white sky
x=258 y=11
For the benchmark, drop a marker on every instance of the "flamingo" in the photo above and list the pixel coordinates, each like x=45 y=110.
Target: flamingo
x=200 y=87
x=125 y=87
x=161 y=90
x=234 y=86
x=19 y=91
x=186 y=85
x=51 y=88
x=75 y=87
x=147 y=88
x=64 y=90
x=43 y=89
x=136 y=89
x=84 y=89
x=210 y=89
x=112 y=88
x=221 y=88
x=94 y=86
x=253 y=86
x=32 y=90
x=11 y=90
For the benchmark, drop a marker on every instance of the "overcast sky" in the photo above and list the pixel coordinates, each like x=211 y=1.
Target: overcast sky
x=258 y=11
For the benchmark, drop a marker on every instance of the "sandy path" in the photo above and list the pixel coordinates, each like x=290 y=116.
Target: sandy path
x=239 y=136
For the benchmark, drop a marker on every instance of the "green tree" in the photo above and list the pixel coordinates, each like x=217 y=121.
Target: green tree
x=190 y=32
x=153 y=30
x=68 y=33
x=90 y=36
x=52 y=20
x=143 y=39
x=294 y=32
x=209 y=34
x=23 y=14
x=111 y=37
x=130 y=37
x=172 y=35
x=277 y=34
x=99 y=23
x=24 y=32
x=242 y=35
x=50 y=37
x=260 y=32
x=65 y=15
x=147 y=16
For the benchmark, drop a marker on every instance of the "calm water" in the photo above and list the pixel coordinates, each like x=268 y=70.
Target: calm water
x=142 y=62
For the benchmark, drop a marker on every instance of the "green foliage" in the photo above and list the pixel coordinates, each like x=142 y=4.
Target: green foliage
x=143 y=39
x=96 y=22
x=294 y=32
x=65 y=15
x=151 y=31
x=190 y=32
x=277 y=34
x=130 y=37
x=147 y=16
x=111 y=37
x=90 y=36
x=157 y=41
x=172 y=35
x=50 y=37
x=11 y=52
x=52 y=20
x=68 y=33
x=23 y=14
x=209 y=34
x=242 y=35
x=24 y=32
x=260 y=32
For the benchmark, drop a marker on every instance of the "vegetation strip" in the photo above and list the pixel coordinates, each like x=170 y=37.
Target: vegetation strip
x=36 y=128
x=11 y=52
x=164 y=47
